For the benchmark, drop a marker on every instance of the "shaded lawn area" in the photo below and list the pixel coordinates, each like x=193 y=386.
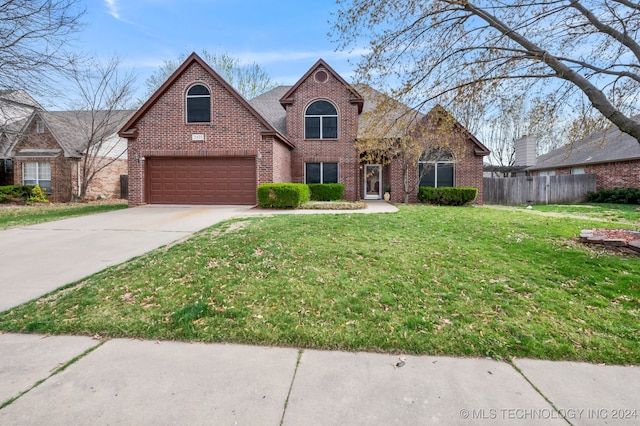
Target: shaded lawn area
x=428 y=280
x=12 y=216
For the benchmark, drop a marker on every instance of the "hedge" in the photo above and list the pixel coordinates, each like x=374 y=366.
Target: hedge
x=447 y=196
x=15 y=193
x=326 y=191
x=282 y=195
x=616 y=195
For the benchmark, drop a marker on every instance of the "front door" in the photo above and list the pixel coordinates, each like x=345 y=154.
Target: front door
x=372 y=181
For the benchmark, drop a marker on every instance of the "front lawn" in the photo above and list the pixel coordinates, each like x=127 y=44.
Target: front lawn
x=12 y=216
x=427 y=280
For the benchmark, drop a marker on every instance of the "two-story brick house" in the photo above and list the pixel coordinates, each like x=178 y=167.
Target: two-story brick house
x=197 y=141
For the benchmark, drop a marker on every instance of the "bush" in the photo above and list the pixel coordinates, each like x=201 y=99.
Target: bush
x=15 y=193
x=282 y=195
x=447 y=196
x=326 y=191
x=616 y=195
x=38 y=195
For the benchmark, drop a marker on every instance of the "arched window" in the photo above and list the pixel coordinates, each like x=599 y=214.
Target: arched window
x=198 y=104
x=321 y=121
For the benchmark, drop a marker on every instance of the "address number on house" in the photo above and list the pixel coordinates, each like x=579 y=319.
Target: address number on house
x=197 y=137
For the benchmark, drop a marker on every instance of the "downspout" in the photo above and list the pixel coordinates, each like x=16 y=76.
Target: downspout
x=78 y=177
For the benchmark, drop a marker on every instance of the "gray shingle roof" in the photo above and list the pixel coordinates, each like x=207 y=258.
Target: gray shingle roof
x=268 y=105
x=601 y=147
x=72 y=128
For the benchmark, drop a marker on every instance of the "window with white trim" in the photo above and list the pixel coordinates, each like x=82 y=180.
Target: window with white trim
x=438 y=173
x=577 y=170
x=547 y=173
x=40 y=126
x=198 y=104
x=321 y=173
x=321 y=121
x=37 y=173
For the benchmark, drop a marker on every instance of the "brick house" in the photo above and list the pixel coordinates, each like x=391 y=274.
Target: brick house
x=613 y=156
x=51 y=146
x=198 y=141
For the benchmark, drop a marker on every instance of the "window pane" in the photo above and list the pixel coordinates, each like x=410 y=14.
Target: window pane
x=429 y=179
x=198 y=110
x=329 y=127
x=321 y=108
x=312 y=173
x=44 y=172
x=198 y=90
x=329 y=172
x=45 y=185
x=30 y=173
x=445 y=174
x=312 y=127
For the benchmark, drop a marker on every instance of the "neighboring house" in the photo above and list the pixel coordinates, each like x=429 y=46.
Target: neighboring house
x=613 y=156
x=198 y=141
x=15 y=107
x=51 y=151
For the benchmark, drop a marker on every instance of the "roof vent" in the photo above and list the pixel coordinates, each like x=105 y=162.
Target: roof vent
x=321 y=76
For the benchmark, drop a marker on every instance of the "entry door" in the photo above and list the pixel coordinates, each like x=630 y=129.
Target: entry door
x=372 y=181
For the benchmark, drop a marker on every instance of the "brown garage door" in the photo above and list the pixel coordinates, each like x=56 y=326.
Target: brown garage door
x=201 y=180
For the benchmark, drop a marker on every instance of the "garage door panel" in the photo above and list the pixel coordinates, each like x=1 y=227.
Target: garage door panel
x=220 y=180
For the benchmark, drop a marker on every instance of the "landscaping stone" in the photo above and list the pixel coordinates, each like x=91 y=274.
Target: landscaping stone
x=595 y=239
x=635 y=245
x=615 y=242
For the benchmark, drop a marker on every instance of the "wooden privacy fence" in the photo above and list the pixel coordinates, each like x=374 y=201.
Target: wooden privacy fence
x=538 y=189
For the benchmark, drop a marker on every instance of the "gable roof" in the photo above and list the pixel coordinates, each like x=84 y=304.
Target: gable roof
x=602 y=147
x=129 y=129
x=356 y=98
x=71 y=128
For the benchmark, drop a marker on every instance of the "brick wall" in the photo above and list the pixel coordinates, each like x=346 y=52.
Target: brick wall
x=233 y=131
x=106 y=182
x=341 y=150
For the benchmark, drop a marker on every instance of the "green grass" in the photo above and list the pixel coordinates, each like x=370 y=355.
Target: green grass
x=625 y=213
x=427 y=280
x=12 y=216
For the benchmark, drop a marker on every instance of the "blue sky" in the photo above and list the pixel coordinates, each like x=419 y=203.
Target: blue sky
x=285 y=37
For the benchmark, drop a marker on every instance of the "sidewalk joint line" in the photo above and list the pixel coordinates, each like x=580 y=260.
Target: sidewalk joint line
x=515 y=367
x=55 y=372
x=293 y=379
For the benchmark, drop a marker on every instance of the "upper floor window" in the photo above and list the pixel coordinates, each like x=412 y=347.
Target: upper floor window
x=321 y=121
x=40 y=126
x=198 y=104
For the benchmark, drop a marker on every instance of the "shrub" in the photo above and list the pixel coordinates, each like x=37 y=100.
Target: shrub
x=282 y=195
x=15 y=193
x=37 y=195
x=447 y=196
x=326 y=191
x=616 y=195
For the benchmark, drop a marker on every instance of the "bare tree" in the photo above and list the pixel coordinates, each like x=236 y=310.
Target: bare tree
x=392 y=133
x=570 y=51
x=249 y=80
x=100 y=110
x=33 y=35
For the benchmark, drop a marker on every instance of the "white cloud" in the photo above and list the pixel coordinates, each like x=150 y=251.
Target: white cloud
x=112 y=8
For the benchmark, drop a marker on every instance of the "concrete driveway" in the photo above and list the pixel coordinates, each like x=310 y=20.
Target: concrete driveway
x=35 y=260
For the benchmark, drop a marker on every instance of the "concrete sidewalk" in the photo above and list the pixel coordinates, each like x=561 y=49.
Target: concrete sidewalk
x=156 y=383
